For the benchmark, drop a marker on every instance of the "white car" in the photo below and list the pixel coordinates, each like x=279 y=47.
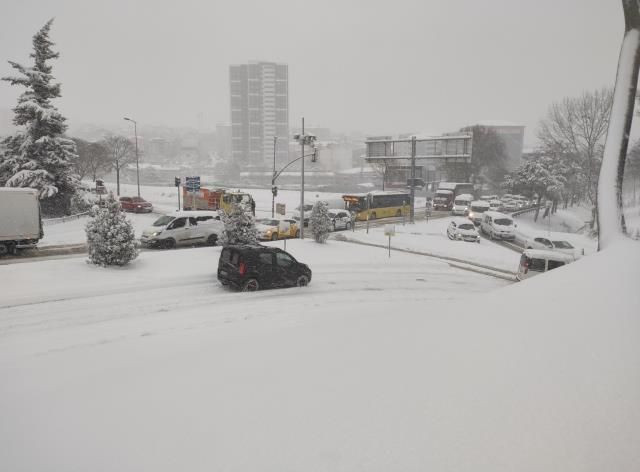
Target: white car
x=341 y=219
x=495 y=205
x=478 y=207
x=509 y=206
x=551 y=243
x=461 y=205
x=184 y=228
x=497 y=225
x=462 y=229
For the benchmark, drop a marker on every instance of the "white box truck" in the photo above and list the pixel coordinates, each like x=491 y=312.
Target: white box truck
x=20 y=219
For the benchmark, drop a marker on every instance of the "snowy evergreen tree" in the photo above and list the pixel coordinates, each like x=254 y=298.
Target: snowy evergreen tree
x=39 y=156
x=239 y=227
x=110 y=236
x=320 y=222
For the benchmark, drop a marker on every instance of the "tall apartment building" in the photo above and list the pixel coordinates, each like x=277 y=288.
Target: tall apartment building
x=259 y=111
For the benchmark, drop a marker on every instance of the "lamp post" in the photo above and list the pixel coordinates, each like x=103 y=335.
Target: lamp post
x=304 y=139
x=273 y=179
x=135 y=130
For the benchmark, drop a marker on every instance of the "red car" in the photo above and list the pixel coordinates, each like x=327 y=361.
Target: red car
x=135 y=204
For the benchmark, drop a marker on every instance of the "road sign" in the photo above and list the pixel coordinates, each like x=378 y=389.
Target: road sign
x=192 y=183
x=280 y=209
x=389 y=230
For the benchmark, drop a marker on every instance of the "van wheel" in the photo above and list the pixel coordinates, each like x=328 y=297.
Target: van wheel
x=212 y=240
x=3 y=250
x=302 y=281
x=297 y=233
x=169 y=243
x=372 y=216
x=399 y=213
x=348 y=226
x=251 y=285
x=274 y=237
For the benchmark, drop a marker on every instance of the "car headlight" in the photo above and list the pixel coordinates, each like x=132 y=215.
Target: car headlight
x=470 y=214
x=458 y=236
x=156 y=233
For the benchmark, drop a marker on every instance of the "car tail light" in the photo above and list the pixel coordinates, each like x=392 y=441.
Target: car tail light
x=242 y=268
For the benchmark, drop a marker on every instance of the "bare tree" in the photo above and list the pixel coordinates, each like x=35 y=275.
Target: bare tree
x=381 y=167
x=91 y=160
x=577 y=127
x=121 y=152
x=489 y=157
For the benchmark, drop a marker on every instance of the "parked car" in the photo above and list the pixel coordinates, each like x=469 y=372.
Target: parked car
x=307 y=212
x=478 y=207
x=462 y=229
x=135 y=204
x=497 y=225
x=341 y=219
x=495 y=205
x=272 y=229
x=509 y=206
x=537 y=261
x=553 y=244
x=254 y=267
x=461 y=204
x=184 y=228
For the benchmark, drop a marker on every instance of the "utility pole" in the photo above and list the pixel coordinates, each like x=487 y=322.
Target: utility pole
x=302 y=188
x=135 y=130
x=413 y=179
x=273 y=179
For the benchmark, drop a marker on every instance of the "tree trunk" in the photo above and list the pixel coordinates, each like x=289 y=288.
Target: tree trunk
x=118 y=180
x=610 y=217
x=535 y=217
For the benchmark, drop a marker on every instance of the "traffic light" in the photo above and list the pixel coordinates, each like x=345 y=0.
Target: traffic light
x=177 y=181
x=274 y=191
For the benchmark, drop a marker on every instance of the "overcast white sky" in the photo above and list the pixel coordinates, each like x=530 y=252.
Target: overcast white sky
x=371 y=66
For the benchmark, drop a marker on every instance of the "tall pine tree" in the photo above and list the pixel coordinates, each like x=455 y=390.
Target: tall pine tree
x=39 y=156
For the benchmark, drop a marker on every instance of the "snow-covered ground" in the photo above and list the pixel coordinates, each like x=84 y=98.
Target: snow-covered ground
x=380 y=364
x=431 y=237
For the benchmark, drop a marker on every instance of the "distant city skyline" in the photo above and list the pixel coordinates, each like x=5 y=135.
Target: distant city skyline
x=409 y=66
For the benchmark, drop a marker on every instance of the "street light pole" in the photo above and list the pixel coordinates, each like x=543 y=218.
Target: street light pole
x=302 y=188
x=135 y=130
x=273 y=178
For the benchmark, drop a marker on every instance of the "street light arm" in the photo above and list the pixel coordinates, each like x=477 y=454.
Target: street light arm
x=277 y=174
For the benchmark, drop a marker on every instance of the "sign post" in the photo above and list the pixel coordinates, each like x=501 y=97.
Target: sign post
x=193 y=186
x=389 y=230
x=176 y=181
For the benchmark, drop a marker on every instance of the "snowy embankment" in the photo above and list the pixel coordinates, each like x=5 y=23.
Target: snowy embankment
x=381 y=364
x=430 y=237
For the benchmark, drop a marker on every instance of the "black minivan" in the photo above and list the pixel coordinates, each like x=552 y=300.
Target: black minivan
x=254 y=267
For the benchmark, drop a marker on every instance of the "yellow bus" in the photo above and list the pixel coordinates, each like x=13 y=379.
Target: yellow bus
x=377 y=204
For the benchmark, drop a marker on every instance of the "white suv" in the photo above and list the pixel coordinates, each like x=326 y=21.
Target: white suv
x=184 y=228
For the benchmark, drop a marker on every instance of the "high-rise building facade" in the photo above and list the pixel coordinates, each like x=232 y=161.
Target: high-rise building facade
x=259 y=111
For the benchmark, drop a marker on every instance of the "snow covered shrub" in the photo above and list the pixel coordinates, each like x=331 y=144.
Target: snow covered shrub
x=239 y=227
x=110 y=236
x=82 y=201
x=320 y=222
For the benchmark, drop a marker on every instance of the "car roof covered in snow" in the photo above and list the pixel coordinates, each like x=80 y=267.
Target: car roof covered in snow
x=480 y=203
x=497 y=214
x=546 y=254
x=465 y=196
x=193 y=213
x=460 y=221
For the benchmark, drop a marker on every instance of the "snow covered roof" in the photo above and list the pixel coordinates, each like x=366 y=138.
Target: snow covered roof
x=357 y=170
x=545 y=254
x=496 y=123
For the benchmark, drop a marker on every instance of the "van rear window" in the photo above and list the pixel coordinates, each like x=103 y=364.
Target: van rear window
x=555 y=264
x=536 y=265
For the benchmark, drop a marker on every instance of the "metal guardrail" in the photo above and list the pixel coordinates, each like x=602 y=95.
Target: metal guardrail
x=63 y=219
x=517 y=213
